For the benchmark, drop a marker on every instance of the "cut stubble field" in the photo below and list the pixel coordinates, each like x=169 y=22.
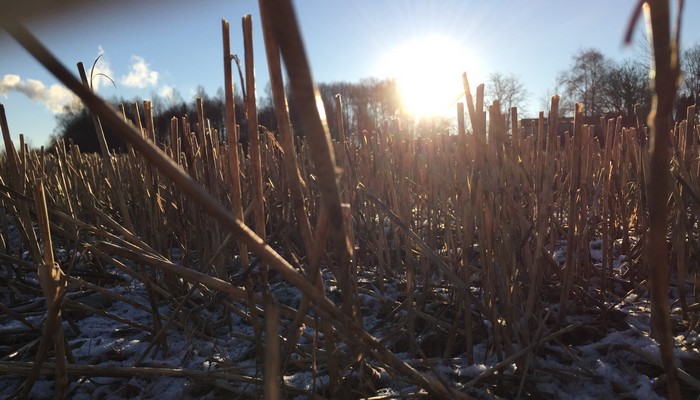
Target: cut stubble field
x=488 y=264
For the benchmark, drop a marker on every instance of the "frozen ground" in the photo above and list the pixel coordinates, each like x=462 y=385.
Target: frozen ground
x=210 y=351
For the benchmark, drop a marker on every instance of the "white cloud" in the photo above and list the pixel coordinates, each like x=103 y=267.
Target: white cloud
x=55 y=97
x=167 y=92
x=9 y=82
x=141 y=74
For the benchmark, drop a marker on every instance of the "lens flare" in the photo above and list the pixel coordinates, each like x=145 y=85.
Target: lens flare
x=428 y=74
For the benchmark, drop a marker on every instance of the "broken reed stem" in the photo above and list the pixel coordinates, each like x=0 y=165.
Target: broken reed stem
x=232 y=142
x=470 y=102
x=174 y=140
x=573 y=233
x=272 y=352
x=53 y=286
x=286 y=30
x=607 y=209
x=254 y=136
x=313 y=250
x=254 y=149
x=664 y=86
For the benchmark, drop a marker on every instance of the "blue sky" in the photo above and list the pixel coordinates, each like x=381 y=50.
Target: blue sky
x=158 y=47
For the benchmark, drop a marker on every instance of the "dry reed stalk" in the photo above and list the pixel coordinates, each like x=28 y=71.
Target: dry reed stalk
x=573 y=214
x=148 y=118
x=348 y=183
x=255 y=163
x=286 y=30
x=65 y=183
x=497 y=132
x=586 y=198
x=140 y=163
x=470 y=102
x=342 y=139
x=485 y=239
x=636 y=158
x=314 y=250
x=186 y=145
x=608 y=210
x=205 y=157
x=552 y=139
x=554 y=150
x=467 y=221
x=53 y=286
x=664 y=85
x=480 y=129
x=461 y=131
x=122 y=111
x=4 y=226
x=679 y=238
x=254 y=137
x=271 y=376
x=515 y=132
x=543 y=187
x=137 y=119
x=232 y=142
x=22 y=164
x=692 y=128
x=174 y=140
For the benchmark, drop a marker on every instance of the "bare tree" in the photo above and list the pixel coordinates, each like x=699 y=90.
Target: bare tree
x=690 y=65
x=623 y=86
x=642 y=49
x=508 y=89
x=582 y=83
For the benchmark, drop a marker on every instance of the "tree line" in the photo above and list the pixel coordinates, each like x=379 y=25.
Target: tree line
x=363 y=106
x=602 y=85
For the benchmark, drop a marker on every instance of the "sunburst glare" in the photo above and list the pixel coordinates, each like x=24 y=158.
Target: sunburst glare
x=428 y=73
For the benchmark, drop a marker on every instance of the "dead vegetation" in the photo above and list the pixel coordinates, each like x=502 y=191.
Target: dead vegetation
x=452 y=238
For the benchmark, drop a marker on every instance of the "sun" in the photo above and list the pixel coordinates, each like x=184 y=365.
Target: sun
x=428 y=72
